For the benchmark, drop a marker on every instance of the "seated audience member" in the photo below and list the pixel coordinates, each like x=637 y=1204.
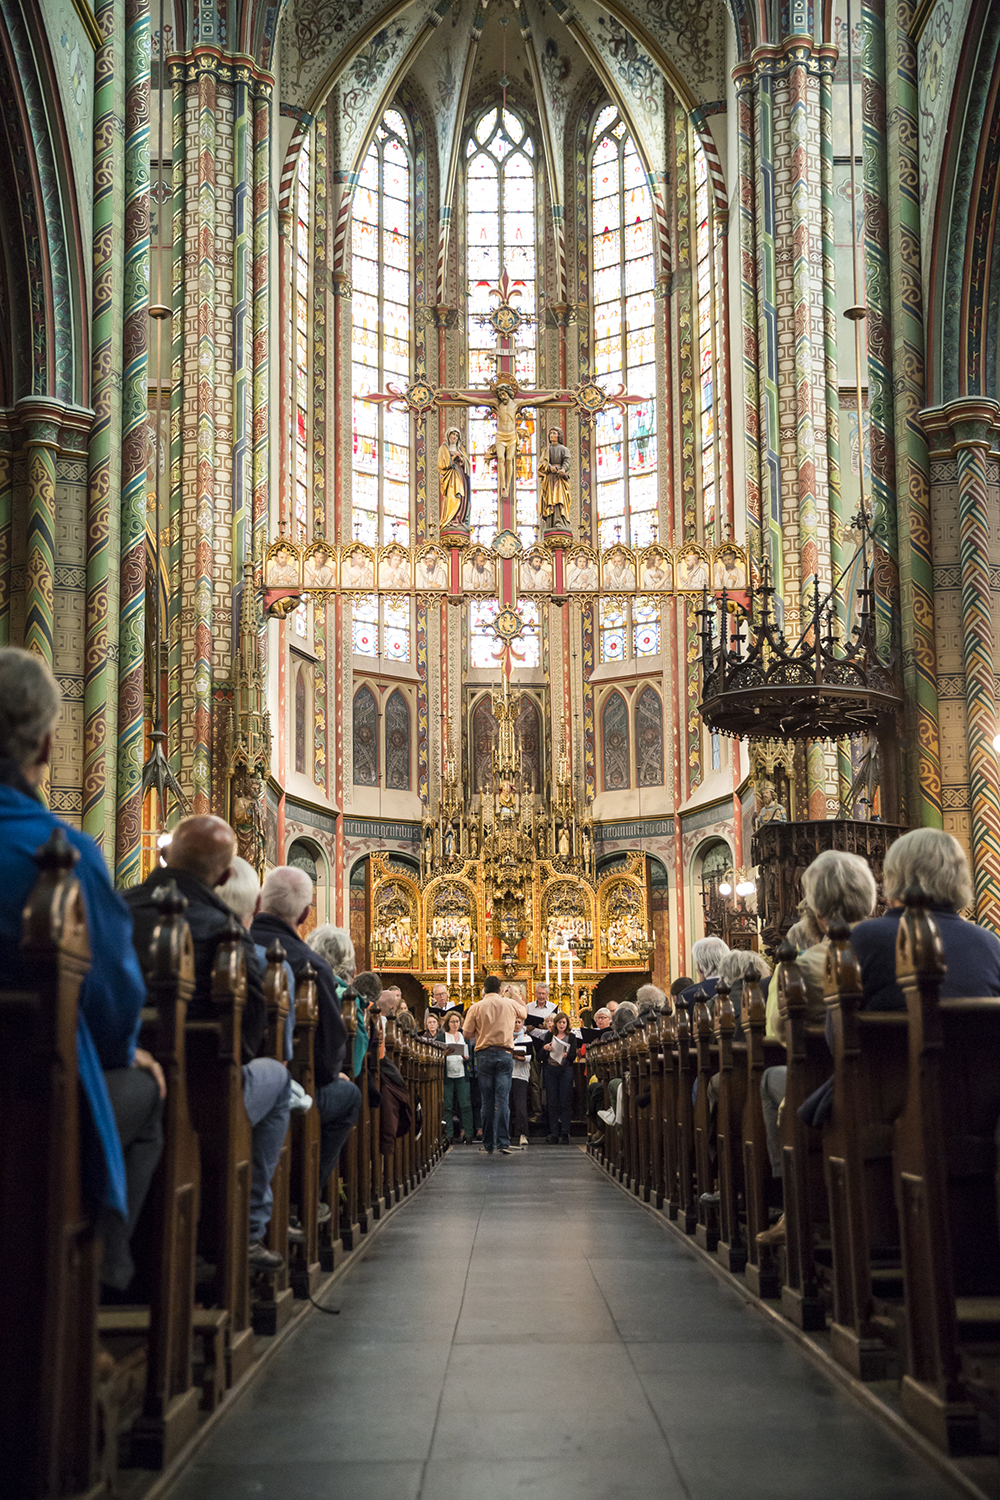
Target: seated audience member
x=405 y=1022
x=707 y=953
x=285 y=902
x=836 y=884
x=122 y=1086
x=650 y=1000
x=337 y=947
x=200 y=858
x=934 y=861
x=560 y=1052
x=456 y=1077
x=733 y=969
x=612 y=1006
x=625 y=1012
x=678 y=987
x=268 y=1087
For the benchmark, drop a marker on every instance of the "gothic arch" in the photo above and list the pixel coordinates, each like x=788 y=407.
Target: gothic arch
x=615 y=751
x=397 y=743
x=365 y=737
x=649 y=737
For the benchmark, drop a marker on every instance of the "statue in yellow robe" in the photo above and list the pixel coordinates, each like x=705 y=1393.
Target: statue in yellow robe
x=455 y=482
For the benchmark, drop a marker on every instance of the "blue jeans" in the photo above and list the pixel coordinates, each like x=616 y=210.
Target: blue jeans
x=267 y=1094
x=339 y=1104
x=495 y=1068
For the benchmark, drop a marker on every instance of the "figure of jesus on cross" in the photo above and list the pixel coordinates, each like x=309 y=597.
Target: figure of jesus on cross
x=507 y=398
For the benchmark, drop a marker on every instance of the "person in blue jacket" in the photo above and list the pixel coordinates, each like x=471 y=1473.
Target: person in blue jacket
x=123 y=1086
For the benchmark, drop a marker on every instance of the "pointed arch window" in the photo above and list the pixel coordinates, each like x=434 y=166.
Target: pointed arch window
x=624 y=275
x=365 y=736
x=707 y=342
x=397 y=743
x=500 y=191
x=614 y=744
x=301 y=719
x=649 y=737
x=381 y=353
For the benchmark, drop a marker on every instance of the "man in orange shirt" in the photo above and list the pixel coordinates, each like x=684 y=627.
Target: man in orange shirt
x=490 y=1025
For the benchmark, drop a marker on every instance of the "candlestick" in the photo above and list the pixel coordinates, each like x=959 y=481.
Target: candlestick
x=448 y=973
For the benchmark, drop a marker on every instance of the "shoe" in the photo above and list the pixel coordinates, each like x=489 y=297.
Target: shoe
x=505 y=1150
x=597 y=1140
x=524 y=1140
x=553 y=1140
x=564 y=1140
x=709 y=1198
x=773 y=1236
x=485 y=1151
x=263 y=1259
x=514 y=1147
x=607 y=1115
x=296 y=1234
x=300 y=1100
x=324 y=1215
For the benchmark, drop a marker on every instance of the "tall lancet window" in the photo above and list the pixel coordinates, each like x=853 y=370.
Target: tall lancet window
x=500 y=234
x=381 y=351
x=707 y=340
x=624 y=354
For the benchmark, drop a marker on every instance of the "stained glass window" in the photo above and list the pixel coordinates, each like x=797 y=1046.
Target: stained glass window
x=614 y=744
x=624 y=354
x=500 y=233
x=300 y=720
x=381 y=324
x=365 y=738
x=706 y=341
x=397 y=743
x=301 y=461
x=649 y=737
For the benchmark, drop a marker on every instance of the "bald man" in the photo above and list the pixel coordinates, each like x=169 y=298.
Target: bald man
x=200 y=857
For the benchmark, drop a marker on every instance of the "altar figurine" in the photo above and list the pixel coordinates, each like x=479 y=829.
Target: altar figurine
x=554 y=498
x=770 y=809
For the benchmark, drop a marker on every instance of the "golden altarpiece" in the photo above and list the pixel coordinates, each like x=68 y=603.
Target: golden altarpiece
x=507 y=886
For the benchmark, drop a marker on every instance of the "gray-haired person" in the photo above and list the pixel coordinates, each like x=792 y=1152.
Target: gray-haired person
x=706 y=955
x=836 y=884
x=285 y=903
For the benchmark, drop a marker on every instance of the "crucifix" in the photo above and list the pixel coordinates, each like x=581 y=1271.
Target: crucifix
x=506 y=397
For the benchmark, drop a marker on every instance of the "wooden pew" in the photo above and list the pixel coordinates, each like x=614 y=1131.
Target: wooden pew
x=48 y=1292
x=165 y=1236
x=273 y=1301
x=654 y=1043
x=943 y=1152
x=669 y=1114
x=870 y=1065
x=761 y=1191
x=686 y=1072
x=807 y=1059
x=215 y=1098
x=304 y=1265
x=707 y=1065
x=731 y=1249
x=350 y=1167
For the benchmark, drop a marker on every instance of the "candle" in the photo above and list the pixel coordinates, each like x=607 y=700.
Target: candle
x=448 y=973
x=558 y=966
x=546 y=966
x=461 y=956
x=571 y=966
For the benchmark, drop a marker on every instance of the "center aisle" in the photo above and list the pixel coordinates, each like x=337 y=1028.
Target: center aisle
x=521 y=1329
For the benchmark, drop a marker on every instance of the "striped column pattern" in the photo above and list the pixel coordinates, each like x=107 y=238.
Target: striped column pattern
x=135 y=455
x=974 y=436
x=319 y=295
x=205 y=219
x=919 y=656
x=767 y=325
x=175 y=598
x=261 y=306
x=686 y=377
x=100 y=690
x=242 y=322
x=878 y=325
x=748 y=309
x=805 y=334
x=40 y=421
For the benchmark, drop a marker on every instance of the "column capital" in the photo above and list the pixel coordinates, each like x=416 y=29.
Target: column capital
x=48 y=422
x=968 y=422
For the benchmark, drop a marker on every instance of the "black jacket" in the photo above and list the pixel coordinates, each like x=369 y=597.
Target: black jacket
x=207 y=916
x=331 y=1034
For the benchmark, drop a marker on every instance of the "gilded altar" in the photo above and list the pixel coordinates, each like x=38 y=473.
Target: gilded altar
x=508 y=886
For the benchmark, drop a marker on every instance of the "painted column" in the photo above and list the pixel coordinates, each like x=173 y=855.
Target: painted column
x=39 y=419
x=175 y=598
x=204 y=519
x=970 y=429
x=749 y=313
x=100 y=693
x=916 y=572
x=261 y=310
x=135 y=458
x=320 y=524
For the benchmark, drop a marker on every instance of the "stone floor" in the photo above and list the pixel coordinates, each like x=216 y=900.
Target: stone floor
x=521 y=1329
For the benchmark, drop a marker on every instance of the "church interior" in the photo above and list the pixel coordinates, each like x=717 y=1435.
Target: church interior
x=533 y=468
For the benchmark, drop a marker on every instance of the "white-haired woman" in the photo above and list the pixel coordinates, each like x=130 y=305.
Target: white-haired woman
x=934 y=861
x=706 y=955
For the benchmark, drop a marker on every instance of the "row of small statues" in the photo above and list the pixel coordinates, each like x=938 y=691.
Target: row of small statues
x=620 y=569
